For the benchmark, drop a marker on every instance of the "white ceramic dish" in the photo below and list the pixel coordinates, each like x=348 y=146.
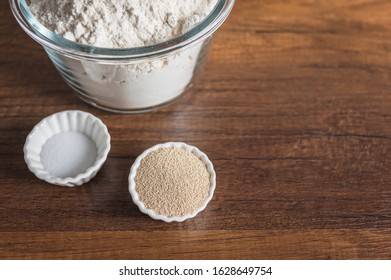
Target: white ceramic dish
x=66 y=121
x=151 y=213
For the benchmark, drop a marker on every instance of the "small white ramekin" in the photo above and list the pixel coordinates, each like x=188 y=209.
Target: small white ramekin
x=151 y=213
x=66 y=121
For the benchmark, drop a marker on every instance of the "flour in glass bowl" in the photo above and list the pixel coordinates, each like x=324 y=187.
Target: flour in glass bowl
x=126 y=24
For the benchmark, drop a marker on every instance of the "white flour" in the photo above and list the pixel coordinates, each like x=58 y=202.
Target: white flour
x=125 y=24
x=120 y=23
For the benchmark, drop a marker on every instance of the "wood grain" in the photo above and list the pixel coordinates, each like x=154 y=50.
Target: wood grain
x=293 y=109
x=221 y=244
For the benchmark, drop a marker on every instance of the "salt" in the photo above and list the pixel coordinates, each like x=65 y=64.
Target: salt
x=68 y=154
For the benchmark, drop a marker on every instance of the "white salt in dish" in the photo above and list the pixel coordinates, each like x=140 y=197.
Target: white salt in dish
x=67 y=148
x=133 y=172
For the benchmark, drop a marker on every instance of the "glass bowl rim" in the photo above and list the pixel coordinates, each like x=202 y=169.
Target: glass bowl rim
x=49 y=39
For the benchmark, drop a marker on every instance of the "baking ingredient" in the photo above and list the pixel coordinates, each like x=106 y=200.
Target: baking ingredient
x=131 y=84
x=68 y=154
x=120 y=23
x=172 y=182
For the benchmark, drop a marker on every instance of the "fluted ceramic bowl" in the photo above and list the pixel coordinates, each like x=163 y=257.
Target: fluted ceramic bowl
x=133 y=172
x=67 y=121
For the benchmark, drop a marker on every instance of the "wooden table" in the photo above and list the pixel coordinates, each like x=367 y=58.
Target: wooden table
x=294 y=110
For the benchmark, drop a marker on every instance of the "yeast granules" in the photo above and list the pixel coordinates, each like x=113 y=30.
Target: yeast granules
x=172 y=182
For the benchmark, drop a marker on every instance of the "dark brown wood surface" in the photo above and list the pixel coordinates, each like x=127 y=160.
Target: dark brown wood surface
x=294 y=110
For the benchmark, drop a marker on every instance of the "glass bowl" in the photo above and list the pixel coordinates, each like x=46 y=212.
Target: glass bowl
x=127 y=80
